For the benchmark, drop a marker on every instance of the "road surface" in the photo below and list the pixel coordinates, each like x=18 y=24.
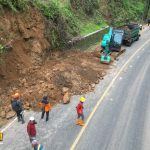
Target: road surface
x=121 y=122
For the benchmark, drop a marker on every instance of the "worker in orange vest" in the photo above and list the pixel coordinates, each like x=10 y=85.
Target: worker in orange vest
x=80 y=114
x=46 y=107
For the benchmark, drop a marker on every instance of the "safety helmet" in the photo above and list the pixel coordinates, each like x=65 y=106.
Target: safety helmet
x=32 y=118
x=16 y=95
x=82 y=99
x=34 y=142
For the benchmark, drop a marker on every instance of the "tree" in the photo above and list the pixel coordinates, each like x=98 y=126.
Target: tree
x=146 y=9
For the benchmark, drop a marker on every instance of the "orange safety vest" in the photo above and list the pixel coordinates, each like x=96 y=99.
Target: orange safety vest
x=47 y=107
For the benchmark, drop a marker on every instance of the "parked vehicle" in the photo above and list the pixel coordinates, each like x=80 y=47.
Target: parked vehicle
x=131 y=33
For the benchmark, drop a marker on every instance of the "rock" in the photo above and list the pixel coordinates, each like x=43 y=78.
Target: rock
x=2 y=114
x=26 y=107
x=97 y=81
x=36 y=47
x=93 y=85
x=103 y=73
x=41 y=82
x=65 y=89
x=101 y=78
x=26 y=85
x=24 y=80
x=10 y=115
x=51 y=86
x=27 y=104
x=66 y=98
x=7 y=109
x=30 y=91
x=40 y=92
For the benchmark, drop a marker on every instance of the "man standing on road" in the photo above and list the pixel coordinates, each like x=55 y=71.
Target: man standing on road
x=17 y=107
x=80 y=114
x=46 y=107
x=31 y=130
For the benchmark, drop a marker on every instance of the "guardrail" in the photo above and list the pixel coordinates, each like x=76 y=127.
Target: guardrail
x=86 y=41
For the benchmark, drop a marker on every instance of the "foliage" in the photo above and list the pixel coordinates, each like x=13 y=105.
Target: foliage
x=88 y=6
x=123 y=10
x=62 y=22
x=68 y=18
x=1 y=49
x=15 y=5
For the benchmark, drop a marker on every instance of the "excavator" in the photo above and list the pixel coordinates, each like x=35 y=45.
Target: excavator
x=111 y=41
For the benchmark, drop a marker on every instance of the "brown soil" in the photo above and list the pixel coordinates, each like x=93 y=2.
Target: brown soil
x=31 y=70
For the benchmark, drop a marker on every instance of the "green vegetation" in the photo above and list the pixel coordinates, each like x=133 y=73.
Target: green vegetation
x=124 y=10
x=15 y=5
x=70 y=18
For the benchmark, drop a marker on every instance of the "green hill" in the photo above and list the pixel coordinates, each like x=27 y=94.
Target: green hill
x=70 y=18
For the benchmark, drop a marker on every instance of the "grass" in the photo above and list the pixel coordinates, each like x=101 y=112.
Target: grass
x=88 y=27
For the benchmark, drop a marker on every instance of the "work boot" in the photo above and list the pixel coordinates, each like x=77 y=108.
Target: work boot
x=23 y=121
x=81 y=123
x=19 y=119
x=77 y=121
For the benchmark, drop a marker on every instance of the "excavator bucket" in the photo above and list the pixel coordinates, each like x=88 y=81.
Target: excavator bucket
x=105 y=59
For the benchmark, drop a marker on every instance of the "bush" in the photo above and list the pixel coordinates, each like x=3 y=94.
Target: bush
x=62 y=24
x=88 y=6
x=15 y=5
x=123 y=10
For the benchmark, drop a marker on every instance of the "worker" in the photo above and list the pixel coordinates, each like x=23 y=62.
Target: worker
x=31 y=130
x=17 y=107
x=46 y=107
x=36 y=145
x=80 y=114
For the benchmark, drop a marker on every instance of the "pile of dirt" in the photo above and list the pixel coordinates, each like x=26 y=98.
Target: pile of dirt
x=29 y=69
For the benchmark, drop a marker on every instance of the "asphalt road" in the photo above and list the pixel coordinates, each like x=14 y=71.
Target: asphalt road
x=121 y=122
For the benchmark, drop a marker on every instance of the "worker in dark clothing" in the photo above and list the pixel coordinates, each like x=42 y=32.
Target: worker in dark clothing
x=46 y=107
x=31 y=130
x=17 y=107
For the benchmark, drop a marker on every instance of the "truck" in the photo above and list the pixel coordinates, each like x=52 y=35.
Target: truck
x=131 y=33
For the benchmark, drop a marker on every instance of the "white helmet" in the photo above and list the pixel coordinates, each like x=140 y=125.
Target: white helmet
x=34 y=142
x=32 y=118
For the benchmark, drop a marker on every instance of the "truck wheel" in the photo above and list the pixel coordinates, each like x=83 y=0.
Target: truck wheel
x=137 y=38
x=129 y=43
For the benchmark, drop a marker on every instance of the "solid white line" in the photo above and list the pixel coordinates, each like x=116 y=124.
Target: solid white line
x=10 y=124
x=3 y=130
